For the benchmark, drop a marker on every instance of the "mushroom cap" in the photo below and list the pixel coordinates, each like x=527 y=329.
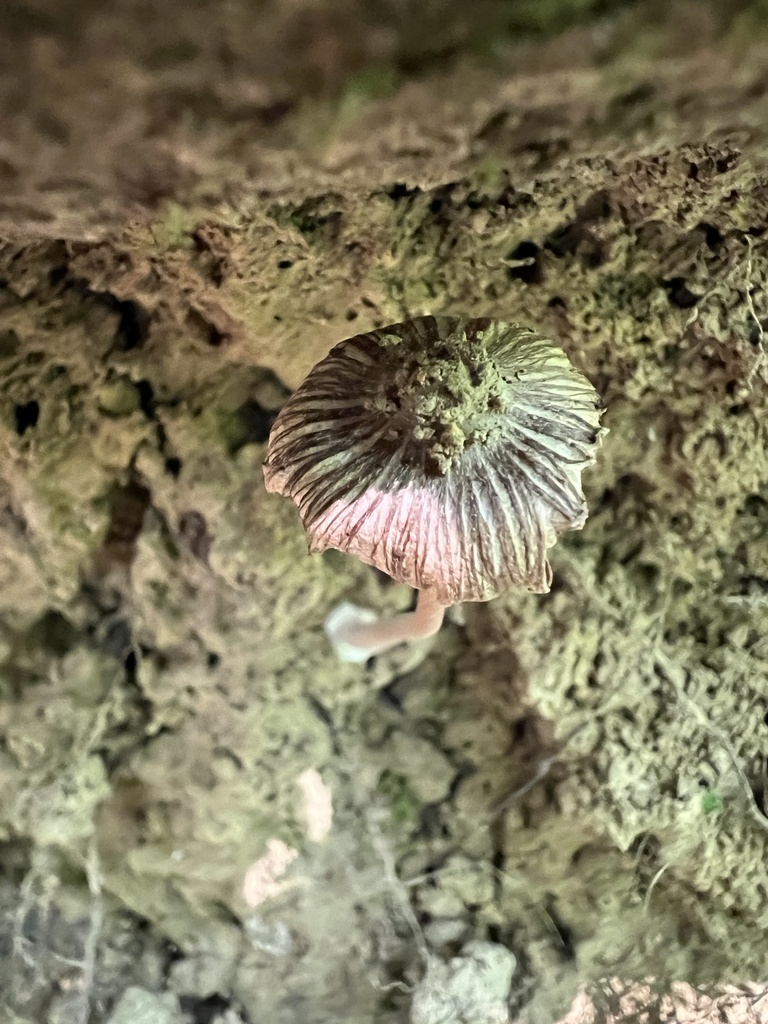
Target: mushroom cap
x=446 y=452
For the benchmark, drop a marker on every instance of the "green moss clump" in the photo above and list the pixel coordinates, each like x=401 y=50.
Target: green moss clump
x=403 y=801
x=118 y=398
x=547 y=17
x=711 y=802
x=375 y=82
x=174 y=228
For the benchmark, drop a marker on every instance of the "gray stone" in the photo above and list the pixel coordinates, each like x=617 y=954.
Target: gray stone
x=137 y=1006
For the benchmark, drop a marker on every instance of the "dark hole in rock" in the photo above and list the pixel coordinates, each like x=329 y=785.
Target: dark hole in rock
x=679 y=294
x=390 y=695
x=57 y=275
x=530 y=269
x=128 y=505
x=592 y=253
x=401 y=191
x=314 y=224
x=597 y=207
x=216 y=337
x=133 y=326
x=9 y=343
x=173 y=466
x=14 y=867
x=581 y=853
x=576 y=240
x=53 y=632
x=593 y=678
x=431 y=824
x=756 y=331
x=284 y=264
x=681 y=522
x=202 y=325
x=118 y=640
x=525 y=730
x=130 y=665
x=564 y=931
x=712 y=235
x=490 y=130
x=638 y=94
x=146 y=398
x=755 y=505
x=194 y=530
x=759 y=795
x=645 y=844
x=27 y=414
x=255 y=422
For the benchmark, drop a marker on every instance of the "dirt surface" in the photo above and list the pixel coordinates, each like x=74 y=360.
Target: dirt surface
x=205 y=817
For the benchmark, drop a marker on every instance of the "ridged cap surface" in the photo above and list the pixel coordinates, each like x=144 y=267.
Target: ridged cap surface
x=446 y=452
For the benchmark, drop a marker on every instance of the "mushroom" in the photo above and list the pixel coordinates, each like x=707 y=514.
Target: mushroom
x=447 y=453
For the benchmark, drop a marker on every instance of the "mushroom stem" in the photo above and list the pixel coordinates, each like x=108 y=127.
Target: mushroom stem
x=356 y=635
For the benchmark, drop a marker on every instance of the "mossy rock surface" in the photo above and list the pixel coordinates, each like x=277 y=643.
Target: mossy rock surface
x=195 y=207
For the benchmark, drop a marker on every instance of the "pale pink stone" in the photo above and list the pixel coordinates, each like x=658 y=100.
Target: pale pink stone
x=262 y=879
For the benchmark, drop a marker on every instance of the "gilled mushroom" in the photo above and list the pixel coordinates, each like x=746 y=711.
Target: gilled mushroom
x=447 y=453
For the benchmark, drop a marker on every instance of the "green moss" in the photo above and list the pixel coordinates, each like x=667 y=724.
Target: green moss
x=228 y=427
x=403 y=801
x=118 y=398
x=711 y=802
x=375 y=82
x=490 y=175
x=174 y=228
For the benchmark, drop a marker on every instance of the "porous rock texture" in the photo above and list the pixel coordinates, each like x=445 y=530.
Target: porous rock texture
x=205 y=818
